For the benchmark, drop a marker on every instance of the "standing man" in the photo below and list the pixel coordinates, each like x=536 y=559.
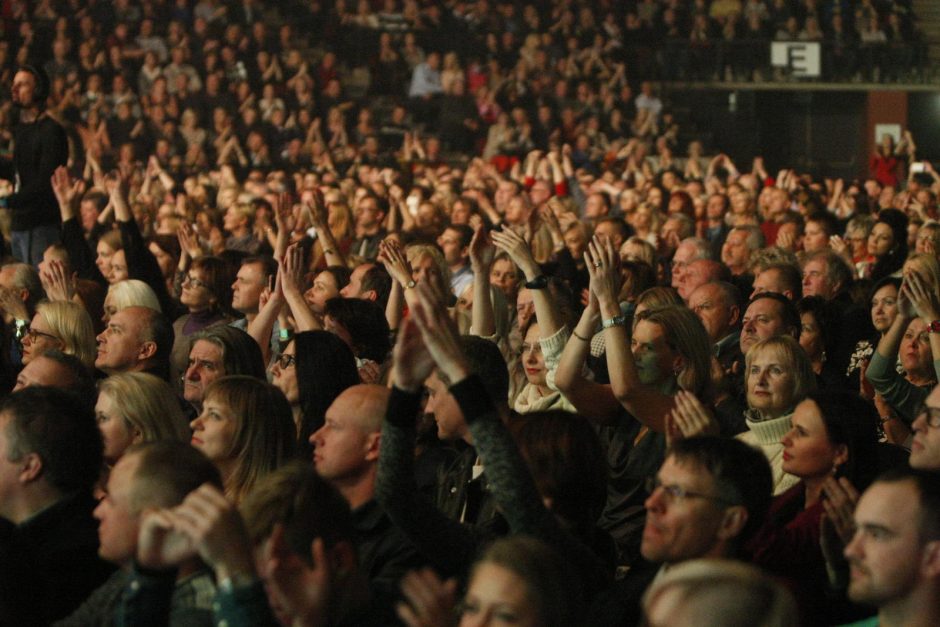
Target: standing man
x=40 y=146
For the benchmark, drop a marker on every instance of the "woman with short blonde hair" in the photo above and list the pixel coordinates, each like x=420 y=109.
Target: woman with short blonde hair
x=135 y=407
x=64 y=325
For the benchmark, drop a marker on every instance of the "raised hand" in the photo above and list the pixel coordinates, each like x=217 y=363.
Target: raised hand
x=411 y=362
x=923 y=296
x=189 y=243
x=482 y=250
x=64 y=188
x=291 y=271
x=518 y=250
x=58 y=284
x=439 y=332
x=690 y=418
x=603 y=266
x=841 y=499
x=395 y=261
x=430 y=601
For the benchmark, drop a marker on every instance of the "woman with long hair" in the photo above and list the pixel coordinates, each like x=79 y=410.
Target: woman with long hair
x=61 y=325
x=246 y=429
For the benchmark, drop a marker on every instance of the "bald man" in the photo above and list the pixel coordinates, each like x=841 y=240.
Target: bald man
x=346 y=454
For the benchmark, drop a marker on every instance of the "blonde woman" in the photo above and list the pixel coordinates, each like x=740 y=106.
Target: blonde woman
x=135 y=407
x=777 y=376
x=64 y=326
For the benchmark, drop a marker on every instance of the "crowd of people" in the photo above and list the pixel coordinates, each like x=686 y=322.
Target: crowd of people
x=267 y=360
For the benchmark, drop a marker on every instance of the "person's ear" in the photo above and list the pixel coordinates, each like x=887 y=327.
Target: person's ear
x=734 y=315
x=373 y=442
x=841 y=456
x=30 y=467
x=930 y=560
x=733 y=522
x=369 y=295
x=137 y=436
x=147 y=350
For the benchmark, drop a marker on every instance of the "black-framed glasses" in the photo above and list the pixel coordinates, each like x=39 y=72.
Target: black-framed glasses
x=34 y=335
x=675 y=492
x=286 y=360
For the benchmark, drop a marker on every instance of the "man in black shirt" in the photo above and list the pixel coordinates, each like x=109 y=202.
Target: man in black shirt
x=41 y=146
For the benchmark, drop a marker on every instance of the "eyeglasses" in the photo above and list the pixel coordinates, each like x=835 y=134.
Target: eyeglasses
x=34 y=335
x=676 y=492
x=931 y=415
x=192 y=281
x=286 y=361
x=527 y=348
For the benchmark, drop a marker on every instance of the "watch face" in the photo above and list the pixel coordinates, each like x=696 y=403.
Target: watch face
x=934 y=327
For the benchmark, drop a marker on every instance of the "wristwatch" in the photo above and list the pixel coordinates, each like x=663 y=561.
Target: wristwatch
x=934 y=327
x=616 y=321
x=538 y=283
x=410 y=284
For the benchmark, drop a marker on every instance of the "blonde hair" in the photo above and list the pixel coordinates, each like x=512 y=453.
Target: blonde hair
x=71 y=323
x=417 y=252
x=794 y=360
x=148 y=404
x=133 y=293
x=722 y=592
x=926 y=264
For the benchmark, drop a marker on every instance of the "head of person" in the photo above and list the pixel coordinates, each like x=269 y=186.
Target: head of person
x=925 y=448
x=346 y=447
x=136 y=339
x=717 y=305
x=768 y=315
x=819 y=228
x=361 y=324
x=671 y=349
x=887 y=242
x=524 y=578
x=30 y=88
x=326 y=285
x=151 y=475
x=315 y=367
x=700 y=272
x=819 y=328
x=655 y=298
x=307 y=507
x=216 y=352
x=505 y=276
x=485 y=361
x=689 y=250
x=741 y=242
x=369 y=281
x=616 y=230
x=915 y=353
x=49 y=447
x=108 y=244
x=884 y=303
x=425 y=259
x=825 y=274
x=455 y=244
x=60 y=325
x=246 y=429
x=833 y=432
x=129 y=293
x=531 y=358
x=777 y=376
x=928 y=238
x=207 y=286
x=565 y=458
x=23 y=281
x=718 y=592
x=250 y=280
x=782 y=278
x=710 y=495
x=895 y=553
x=136 y=407
x=55 y=368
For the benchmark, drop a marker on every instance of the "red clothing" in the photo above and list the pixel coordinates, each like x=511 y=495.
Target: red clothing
x=884 y=169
